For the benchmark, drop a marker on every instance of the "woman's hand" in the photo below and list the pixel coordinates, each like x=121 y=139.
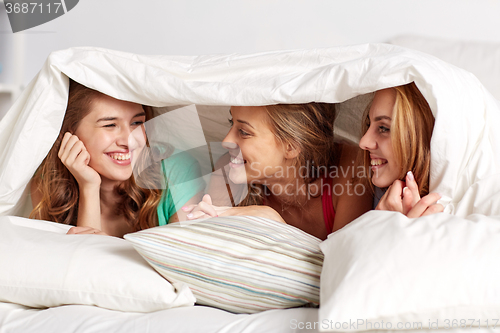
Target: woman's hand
x=407 y=200
x=85 y=231
x=206 y=209
x=76 y=158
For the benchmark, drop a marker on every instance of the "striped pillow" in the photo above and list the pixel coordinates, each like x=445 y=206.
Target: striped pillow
x=240 y=264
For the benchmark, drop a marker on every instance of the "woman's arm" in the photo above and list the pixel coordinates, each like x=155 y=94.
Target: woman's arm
x=36 y=198
x=88 y=202
x=75 y=157
x=89 y=208
x=355 y=198
x=206 y=209
x=87 y=231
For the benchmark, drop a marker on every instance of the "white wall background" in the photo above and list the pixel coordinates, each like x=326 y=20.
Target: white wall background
x=190 y=27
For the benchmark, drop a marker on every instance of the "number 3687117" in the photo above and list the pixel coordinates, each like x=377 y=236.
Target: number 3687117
x=32 y=8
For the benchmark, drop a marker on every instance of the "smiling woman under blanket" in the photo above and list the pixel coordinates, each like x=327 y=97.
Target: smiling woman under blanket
x=396 y=140
x=86 y=179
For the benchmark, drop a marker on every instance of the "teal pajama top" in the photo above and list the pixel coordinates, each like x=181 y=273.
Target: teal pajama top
x=183 y=180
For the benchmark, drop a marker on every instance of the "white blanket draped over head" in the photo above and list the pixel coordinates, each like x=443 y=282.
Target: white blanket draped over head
x=465 y=163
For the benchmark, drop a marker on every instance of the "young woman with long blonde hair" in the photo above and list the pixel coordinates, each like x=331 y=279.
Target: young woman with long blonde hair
x=397 y=131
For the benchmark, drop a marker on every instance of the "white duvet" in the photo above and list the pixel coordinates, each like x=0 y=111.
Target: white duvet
x=465 y=147
x=465 y=155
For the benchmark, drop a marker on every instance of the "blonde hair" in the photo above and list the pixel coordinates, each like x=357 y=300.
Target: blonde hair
x=411 y=131
x=59 y=188
x=308 y=128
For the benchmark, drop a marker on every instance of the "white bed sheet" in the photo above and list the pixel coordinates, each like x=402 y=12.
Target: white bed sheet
x=80 y=318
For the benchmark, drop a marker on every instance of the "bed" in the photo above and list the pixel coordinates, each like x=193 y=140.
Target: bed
x=436 y=272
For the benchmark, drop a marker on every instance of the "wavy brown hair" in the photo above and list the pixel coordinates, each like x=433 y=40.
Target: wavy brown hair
x=309 y=128
x=411 y=131
x=59 y=189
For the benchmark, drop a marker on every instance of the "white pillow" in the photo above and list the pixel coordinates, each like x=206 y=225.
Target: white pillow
x=41 y=266
x=241 y=264
x=385 y=271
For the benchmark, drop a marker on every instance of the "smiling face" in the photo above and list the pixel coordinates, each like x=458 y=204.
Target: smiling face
x=105 y=132
x=256 y=154
x=377 y=139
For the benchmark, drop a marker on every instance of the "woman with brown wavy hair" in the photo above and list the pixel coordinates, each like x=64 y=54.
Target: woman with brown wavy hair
x=86 y=178
x=396 y=140
x=286 y=156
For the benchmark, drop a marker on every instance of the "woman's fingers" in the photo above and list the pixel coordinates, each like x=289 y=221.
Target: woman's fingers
x=83 y=158
x=205 y=208
x=197 y=215
x=412 y=185
x=207 y=199
x=67 y=154
x=68 y=140
x=79 y=230
x=75 y=151
x=72 y=231
x=76 y=158
x=64 y=141
x=189 y=208
x=392 y=199
x=435 y=208
x=423 y=204
x=219 y=211
x=194 y=207
x=85 y=231
x=407 y=201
